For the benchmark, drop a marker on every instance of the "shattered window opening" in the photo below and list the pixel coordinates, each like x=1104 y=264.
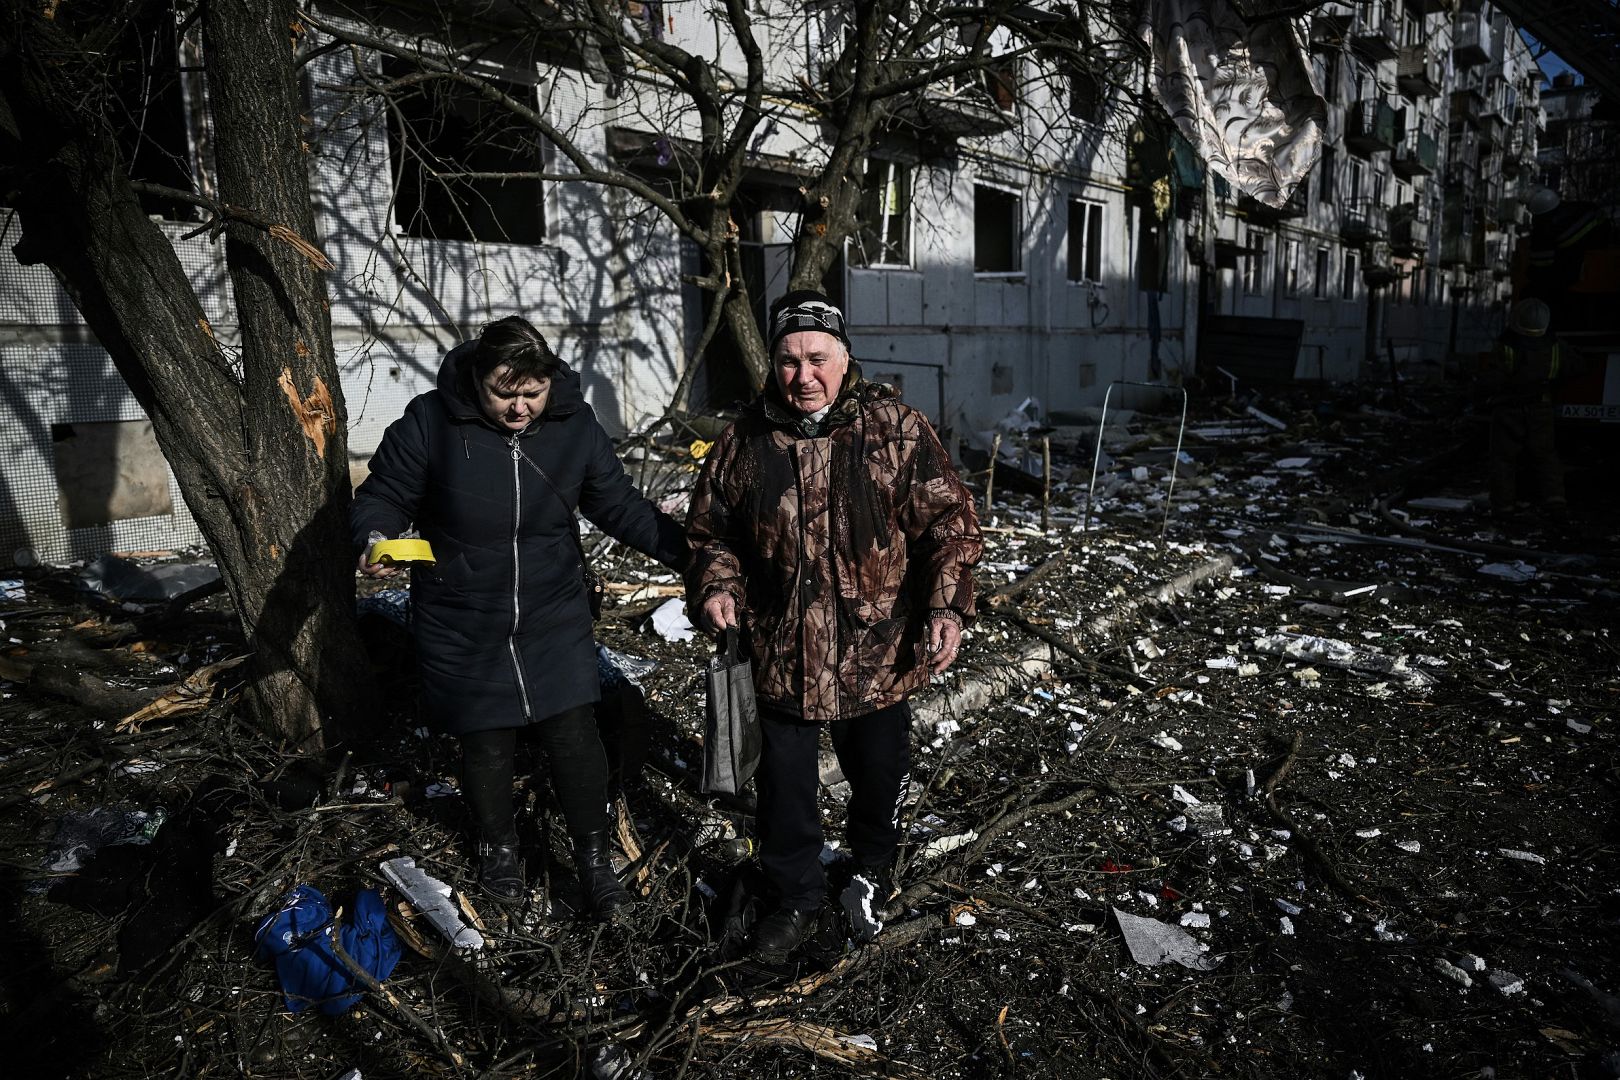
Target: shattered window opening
x=1085 y=241
x=997 y=231
x=438 y=132
x=884 y=236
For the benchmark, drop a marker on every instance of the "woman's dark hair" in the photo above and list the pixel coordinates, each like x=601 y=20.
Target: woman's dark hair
x=516 y=344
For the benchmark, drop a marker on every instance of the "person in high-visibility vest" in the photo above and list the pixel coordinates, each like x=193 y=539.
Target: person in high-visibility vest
x=1519 y=380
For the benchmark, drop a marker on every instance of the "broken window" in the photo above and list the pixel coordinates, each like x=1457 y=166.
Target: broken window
x=1320 y=285
x=1085 y=96
x=1324 y=178
x=884 y=234
x=997 y=225
x=1254 y=269
x=1085 y=240
x=1290 y=267
x=150 y=109
x=463 y=166
x=1347 y=290
x=109 y=472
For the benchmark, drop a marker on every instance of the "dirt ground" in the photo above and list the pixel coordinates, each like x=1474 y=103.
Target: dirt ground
x=1340 y=741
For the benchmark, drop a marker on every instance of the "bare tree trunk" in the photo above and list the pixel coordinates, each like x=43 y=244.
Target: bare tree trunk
x=260 y=456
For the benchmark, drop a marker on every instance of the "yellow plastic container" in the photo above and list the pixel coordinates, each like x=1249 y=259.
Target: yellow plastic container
x=388 y=552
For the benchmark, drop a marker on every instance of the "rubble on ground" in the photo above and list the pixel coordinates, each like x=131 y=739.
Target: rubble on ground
x=1306 y=787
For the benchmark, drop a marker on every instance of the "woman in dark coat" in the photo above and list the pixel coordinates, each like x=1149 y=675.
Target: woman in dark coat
x=490 y=467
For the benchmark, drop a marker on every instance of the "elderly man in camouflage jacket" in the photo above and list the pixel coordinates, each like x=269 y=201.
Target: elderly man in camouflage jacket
x=830 y=525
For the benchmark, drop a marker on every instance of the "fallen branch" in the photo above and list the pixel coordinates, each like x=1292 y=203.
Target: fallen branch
x=388 y=997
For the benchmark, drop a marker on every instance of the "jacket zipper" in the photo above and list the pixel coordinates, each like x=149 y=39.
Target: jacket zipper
x=517 y=520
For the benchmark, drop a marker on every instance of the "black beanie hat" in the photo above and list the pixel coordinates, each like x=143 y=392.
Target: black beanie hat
x=805 y=309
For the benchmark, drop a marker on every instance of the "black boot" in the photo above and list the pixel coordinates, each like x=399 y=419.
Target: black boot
x=599 y=887
x=500 y=873
x=779 y=933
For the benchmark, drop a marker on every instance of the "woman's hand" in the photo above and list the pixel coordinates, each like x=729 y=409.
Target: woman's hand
x=376 y=569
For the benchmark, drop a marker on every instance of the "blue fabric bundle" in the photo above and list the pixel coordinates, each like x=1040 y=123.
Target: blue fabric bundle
x=297 y=938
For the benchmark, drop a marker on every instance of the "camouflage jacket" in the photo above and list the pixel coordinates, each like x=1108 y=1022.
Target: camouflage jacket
x=839 y=539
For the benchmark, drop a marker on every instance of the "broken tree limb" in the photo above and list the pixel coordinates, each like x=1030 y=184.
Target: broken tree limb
x=433 y=1035
x=192 y=694
x=817 y=1039
x=1307 y=845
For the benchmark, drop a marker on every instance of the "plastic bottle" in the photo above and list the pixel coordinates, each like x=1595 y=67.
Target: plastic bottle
x=154 y=821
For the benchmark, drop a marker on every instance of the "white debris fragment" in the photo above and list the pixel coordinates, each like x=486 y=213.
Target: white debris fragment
x=1165 y=740
x=1473 y=963
x=1248 y=670
x=1369 y=834
x=1522 y=856
x=942 y=844
x=1576 y=726
x=1183 y=796
x=1287 y=908
x=1152 y=943
x=966 y=918
x=1506 y=982
x=1307 y=675
x=670 y=621
x=1286 y=925
x=1411 y=847
x=865 y=1041
x=1199 y=920
x=1148 y=649
x=1456 y=974
x=1222 y=663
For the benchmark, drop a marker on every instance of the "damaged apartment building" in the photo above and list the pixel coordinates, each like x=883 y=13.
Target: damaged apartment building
x=1025 y=233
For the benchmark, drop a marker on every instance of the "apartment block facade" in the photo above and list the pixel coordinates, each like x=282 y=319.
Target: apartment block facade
x=1028 y=236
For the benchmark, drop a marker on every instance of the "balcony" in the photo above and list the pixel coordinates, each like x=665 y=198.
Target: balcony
x=955 y=113
x=1418 y=154
x=1492 y=131
x=1260 y=213
x=1511 y=213
x=1420 y=73
x=1470 y=40
x=1369 y=126
x=1331 y=25
x=1498 y=257
x=1433 y=7
x=1364 y=222
x=1409 y=230
x=1467 y=106
x=1378 y=266
x=1375 y=35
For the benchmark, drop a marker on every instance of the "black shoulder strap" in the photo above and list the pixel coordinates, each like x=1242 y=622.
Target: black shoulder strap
x=572 y=516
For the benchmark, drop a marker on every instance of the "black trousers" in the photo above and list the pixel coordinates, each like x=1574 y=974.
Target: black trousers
x=579 y=773
x=875 y=753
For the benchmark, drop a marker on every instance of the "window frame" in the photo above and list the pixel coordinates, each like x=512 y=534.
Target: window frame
x=1017 y=197
x=1321 y=286
x=546 y=203
x=1347 y=279
x=1255 y=265
x=1091 y=242
x=908 y=172
x=1288 y=254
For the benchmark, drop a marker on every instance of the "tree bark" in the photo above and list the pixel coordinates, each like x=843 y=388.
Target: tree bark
x=259 y=451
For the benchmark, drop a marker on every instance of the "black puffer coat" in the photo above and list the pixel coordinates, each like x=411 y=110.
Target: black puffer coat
x=502 y=624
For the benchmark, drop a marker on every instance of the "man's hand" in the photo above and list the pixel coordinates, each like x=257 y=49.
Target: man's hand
x=376 y=569
x=944 y=639
x=720 y=612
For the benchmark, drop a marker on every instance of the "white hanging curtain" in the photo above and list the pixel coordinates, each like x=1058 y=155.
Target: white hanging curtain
x=1240 y=91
